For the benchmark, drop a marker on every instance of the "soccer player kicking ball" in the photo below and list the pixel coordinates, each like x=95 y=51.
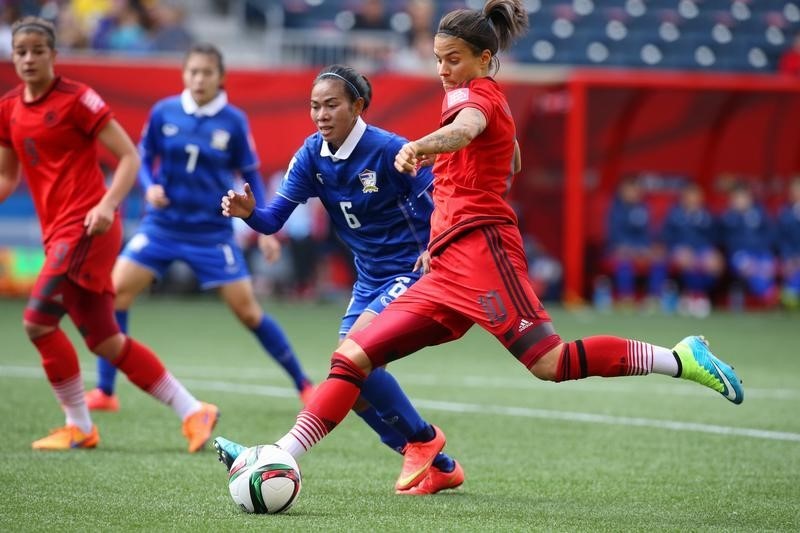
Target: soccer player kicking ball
x=383 y=216
x=49 y=125
x=478 y=269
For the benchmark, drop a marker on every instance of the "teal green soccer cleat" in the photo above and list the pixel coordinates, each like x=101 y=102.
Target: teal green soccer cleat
x=227 y=451
x=700 y=365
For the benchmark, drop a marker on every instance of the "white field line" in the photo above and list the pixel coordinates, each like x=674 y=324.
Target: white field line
x=471 y=408
x=656 y=385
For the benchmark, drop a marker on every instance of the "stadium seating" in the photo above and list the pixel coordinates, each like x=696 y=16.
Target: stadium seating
x=722 y=35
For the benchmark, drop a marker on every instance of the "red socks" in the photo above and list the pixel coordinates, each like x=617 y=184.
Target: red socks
x=331 y=402
x=59 y=358
x=604 y=356
x=140 y=364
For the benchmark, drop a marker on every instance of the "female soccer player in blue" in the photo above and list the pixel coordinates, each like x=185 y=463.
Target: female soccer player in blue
x=193 y=147
x=383 y=216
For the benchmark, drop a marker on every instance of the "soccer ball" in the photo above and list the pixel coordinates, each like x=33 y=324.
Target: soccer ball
x=264 y=479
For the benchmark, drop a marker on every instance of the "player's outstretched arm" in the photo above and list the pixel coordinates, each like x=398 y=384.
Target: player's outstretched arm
x=9 y=172
x=468 y=124
x=239 y=205
x=113 y=137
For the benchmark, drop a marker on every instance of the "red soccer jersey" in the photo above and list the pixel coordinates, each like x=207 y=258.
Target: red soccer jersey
x=470 y=184
x=54 y=139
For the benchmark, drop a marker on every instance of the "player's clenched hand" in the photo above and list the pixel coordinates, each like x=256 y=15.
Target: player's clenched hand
x=155 y=196
x=270 y=247
x=99 y=219
x=239 y=205
x=406 y=159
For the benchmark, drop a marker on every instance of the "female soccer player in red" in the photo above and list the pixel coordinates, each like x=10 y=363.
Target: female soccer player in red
x=49 y=126
x=477 y=267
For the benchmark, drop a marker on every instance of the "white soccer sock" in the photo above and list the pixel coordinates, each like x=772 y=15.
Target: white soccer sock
x=71 y=396
x=289 y=443
x=664 y=361
x=170 y=391
x=307 y=431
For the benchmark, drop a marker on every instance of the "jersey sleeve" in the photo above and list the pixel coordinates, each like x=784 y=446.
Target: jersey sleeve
x=5 y=124
x=149 y=146
x=243 y=153
x=416 y=184
x=296 y=183
x=474 y=95
x=90 y=112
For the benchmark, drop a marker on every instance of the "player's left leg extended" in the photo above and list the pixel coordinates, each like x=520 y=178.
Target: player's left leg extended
x=608 y=356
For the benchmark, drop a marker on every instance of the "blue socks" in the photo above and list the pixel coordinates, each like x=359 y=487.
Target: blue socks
x=393 y=417
x=106 y=372
x=274 y=341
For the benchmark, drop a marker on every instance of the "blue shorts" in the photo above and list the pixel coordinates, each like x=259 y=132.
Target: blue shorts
x=214 y=263
x=374 y=298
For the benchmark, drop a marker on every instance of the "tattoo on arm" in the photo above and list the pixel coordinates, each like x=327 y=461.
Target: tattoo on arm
x=468 y=124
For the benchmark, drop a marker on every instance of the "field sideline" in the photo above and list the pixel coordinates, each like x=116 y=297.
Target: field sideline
x=641 y=453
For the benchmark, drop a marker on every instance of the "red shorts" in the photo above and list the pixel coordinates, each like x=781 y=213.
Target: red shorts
x=76 y=279
x=480 y=278
x=87 y=261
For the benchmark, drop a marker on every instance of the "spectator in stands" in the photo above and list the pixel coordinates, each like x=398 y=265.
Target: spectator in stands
x=125 y=29
x=789 y=62
x=789 y=246
x=632 y=251
x=169 y=33
x=372 y=16
x=746 y=236
x=689 y=235
x=9 y=12
x=417 y=55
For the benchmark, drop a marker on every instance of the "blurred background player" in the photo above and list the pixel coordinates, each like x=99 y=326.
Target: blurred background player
x=193 y=148
x=747 y=237
x=632 y=251
x=689 y=234
x=789 y=246
x=49 y=126
x=476 y=270
x=383 y=216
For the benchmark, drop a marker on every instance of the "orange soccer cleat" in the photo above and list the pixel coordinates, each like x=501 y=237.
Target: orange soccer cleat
x=97 y=400
x=197 y=427
x=418 y=459
x=436 y=480
x=68 y=438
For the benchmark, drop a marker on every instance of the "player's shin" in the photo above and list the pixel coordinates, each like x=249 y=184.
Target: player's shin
x=330 y=404
x=608 y=356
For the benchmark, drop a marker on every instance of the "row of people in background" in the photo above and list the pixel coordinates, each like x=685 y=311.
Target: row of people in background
x=121 y=26
x=757 y=254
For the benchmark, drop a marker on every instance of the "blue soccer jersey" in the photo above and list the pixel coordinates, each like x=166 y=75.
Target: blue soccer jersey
x=684 y=227
x=382 y=215
x=195 y=154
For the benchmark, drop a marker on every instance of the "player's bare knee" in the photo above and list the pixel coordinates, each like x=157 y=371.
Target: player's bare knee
x=35 y=331
x=108 y=348
x=545 y=367
x=350 y=350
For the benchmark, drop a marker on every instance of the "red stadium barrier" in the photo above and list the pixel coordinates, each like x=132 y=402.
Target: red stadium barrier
x=579 y=133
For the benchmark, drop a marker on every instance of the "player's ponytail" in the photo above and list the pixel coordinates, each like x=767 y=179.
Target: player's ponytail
x=356 y=84
x=509 y=20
